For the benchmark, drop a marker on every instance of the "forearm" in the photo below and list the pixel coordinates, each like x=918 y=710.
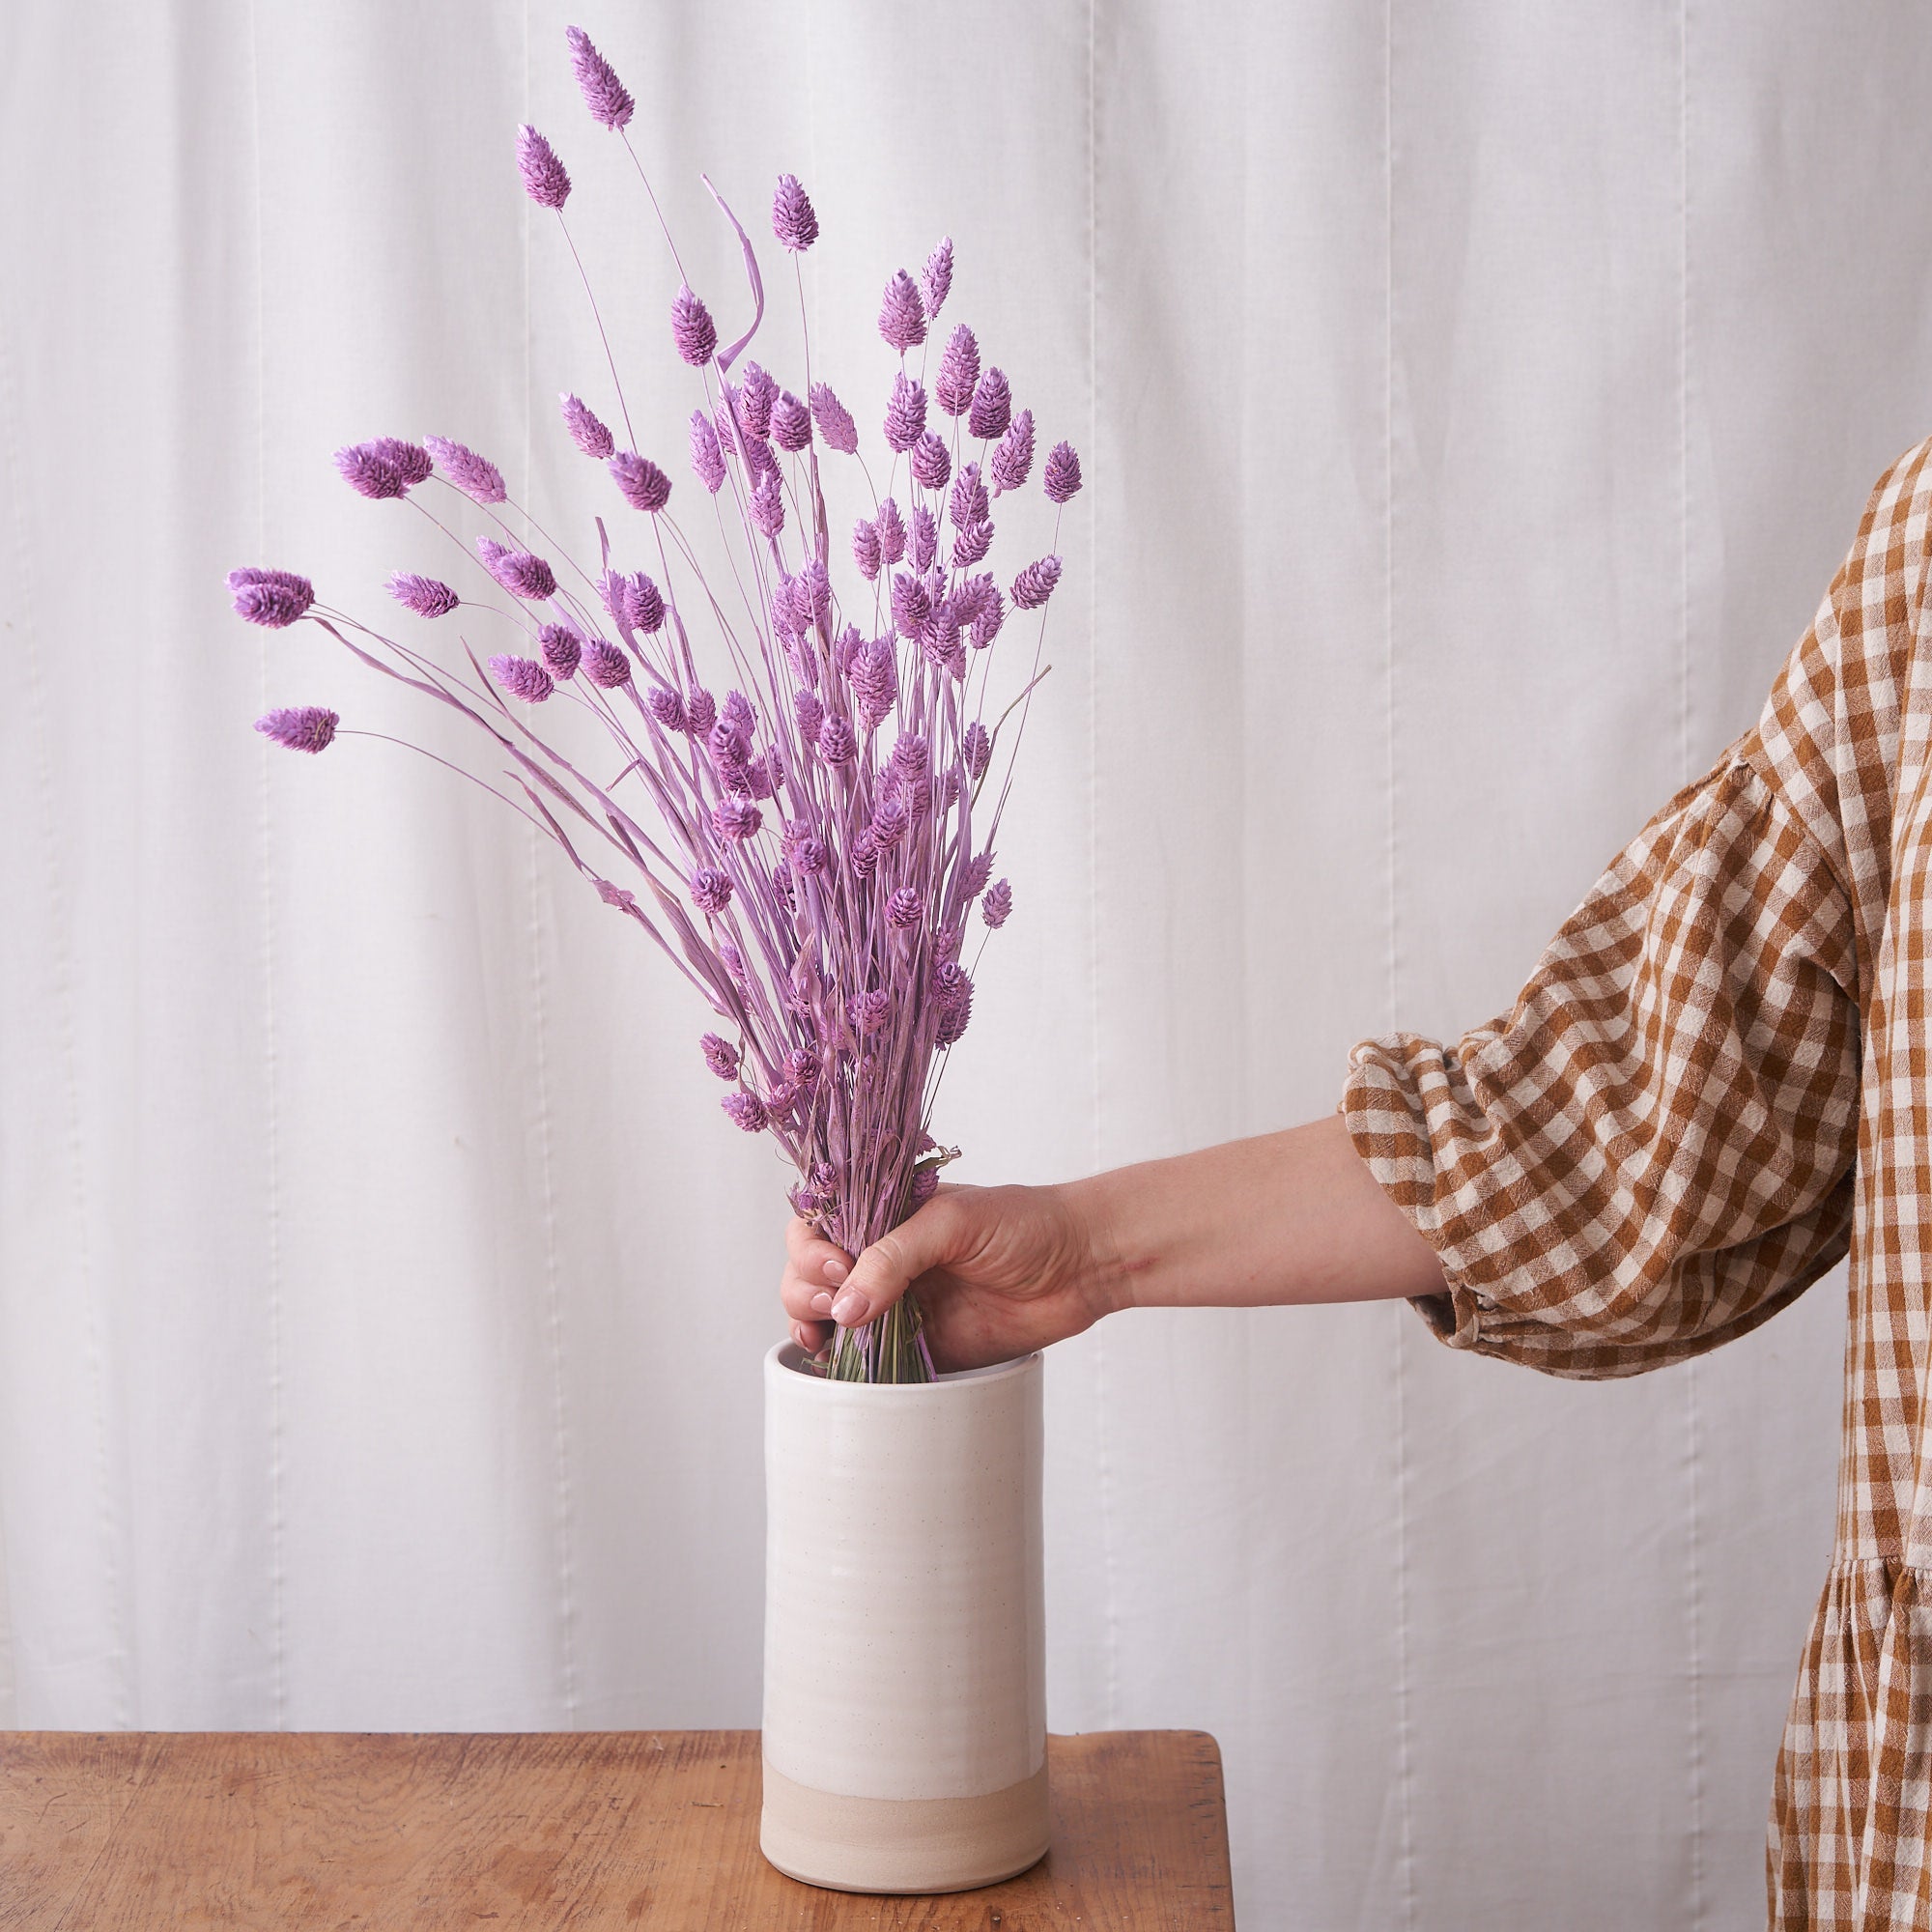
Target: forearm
x=1294 y=1216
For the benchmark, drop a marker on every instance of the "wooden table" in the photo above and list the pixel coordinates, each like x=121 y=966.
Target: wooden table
x=580 y=1829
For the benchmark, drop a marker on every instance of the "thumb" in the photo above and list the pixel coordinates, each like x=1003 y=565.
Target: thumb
x=884 y=1270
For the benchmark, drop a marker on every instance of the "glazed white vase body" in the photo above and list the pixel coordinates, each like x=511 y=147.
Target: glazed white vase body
x=905 y=1641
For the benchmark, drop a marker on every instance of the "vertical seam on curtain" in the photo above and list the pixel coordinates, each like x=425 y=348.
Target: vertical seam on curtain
x=1694 y=1499
x=1105 y=1470
x=66 y=1026
x=272 y=1057
x=1404 y=1735
x=566 y=1577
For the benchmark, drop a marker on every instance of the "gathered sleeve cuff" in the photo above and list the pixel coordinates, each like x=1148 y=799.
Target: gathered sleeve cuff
x=1654 y=1150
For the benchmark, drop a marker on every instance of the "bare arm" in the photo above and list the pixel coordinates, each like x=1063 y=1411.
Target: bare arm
x=1287 y=1217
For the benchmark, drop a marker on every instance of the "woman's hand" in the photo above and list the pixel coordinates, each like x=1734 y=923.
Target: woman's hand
x=999 y=1271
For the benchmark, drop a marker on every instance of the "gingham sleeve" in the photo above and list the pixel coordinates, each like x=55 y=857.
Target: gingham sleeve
x=1653 y=1150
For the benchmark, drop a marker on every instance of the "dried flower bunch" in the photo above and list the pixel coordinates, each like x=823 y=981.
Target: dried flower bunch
x=808 y=850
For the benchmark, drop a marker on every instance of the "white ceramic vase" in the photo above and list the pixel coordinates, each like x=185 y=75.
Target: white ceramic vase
x=905 y=1658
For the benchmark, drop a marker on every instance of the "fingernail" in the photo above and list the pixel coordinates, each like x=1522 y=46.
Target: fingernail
x=821 y=1304
x=834 y=1270
x=850 y=1309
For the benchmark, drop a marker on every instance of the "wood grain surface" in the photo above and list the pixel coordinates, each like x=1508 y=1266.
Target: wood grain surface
x=573 y=1830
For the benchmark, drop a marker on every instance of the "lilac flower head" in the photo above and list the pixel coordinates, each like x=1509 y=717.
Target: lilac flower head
x=836 y=745
x=931 y=462
x=938 y=639
x=968 y=504
x=424 y=595
x=864 y=853
x=768 y=510
x=892 y=533
x=792 y=422
x=971 y=542
x=604 y=94
x=518 y=571
x=925 y=540
x=707 y=459
x=747 y=1111
x=274 y=598
x=835 y=420
x=986 y=625
x=692 y=328
x=545 y=177
x=977 y=874
x=721 y=420
x=301 y=727
x=1033 y=586
x=758 y=458
x=845 y=648
x=977 y=748
x=969 y=596
x=875 y=681
x=523 y=677
x=736 y=819
x=586 y=430
x=905 y=414
x=642 y=484
x=955 y=1012
x=411 y=458
x=997 y=907
x=1013 y=458
x=890 y=820
x=644 y=605
x=737 y=717
x=869 y=1012
x=720 y=1054
x=808 y=709
x=992 y=405
x=910 y=604
x=866 y=548
x=710 y=888
x=793 y=220
x=756 y=394
x=811 y=856
x=958 y=372
x=476 y=476
x=811 y=591
x=561 y=650
x=901 y=318
x=1062 y=473
x=368 y=474
x=935 y=282
x=910 y=754
x=700 y=712
x=605 y=664
x=924 y=1185
x=666 y=707
x=903 y=911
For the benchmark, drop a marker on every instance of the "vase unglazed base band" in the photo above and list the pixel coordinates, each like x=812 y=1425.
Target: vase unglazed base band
x=903 y=1844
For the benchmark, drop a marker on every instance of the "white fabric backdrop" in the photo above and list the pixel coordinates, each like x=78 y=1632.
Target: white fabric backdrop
x=1475 y=400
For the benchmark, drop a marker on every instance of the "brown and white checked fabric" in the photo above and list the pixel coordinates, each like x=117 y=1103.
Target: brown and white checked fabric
x=1718 y=1079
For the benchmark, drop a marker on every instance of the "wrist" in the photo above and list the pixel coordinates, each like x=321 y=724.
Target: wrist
x=1103 y=1279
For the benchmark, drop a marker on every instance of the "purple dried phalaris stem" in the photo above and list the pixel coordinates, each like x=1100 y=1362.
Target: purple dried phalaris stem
x=301 y=727
x=729 y=355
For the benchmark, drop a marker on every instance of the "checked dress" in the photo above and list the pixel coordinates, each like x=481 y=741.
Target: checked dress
x=1715 y=1083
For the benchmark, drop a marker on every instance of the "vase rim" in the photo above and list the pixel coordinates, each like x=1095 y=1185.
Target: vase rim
x=790 y=1357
